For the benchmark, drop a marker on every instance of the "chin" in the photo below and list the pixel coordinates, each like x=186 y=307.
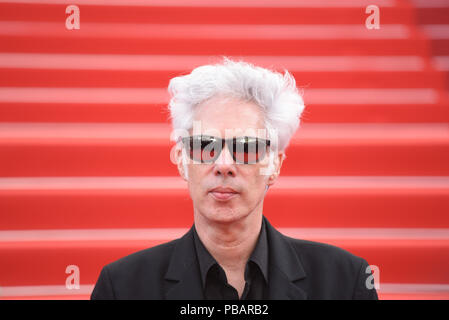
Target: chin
x=223 y=215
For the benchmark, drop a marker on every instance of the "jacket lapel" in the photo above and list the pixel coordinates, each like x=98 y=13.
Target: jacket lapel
x=286 y=272
x=182 y=280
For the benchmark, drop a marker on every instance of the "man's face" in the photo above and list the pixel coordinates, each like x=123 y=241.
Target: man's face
x=229 y=118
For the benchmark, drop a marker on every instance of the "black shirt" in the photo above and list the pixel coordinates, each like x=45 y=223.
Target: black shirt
x=215 y=284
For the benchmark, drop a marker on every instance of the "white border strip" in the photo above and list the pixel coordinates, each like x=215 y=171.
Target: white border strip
x=176 y=183
x=221 y=3
x=159 y=133
x=441 y=63
x=367 y=233
x=44 y=290
x=430 y=3
x=74 y=130
x=160 y=96
x=413 y=288
x=167 y=234
x=84 y=95
x=91 y=30
x=92 y=234
x=183 y=62
x=437 y=31
x=56 y=290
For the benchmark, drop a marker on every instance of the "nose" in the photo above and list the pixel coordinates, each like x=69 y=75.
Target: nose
x=224 y=165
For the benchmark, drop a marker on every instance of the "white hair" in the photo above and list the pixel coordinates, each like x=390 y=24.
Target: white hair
x=275 y=93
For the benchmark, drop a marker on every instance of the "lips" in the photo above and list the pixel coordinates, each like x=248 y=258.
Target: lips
x=223 y=193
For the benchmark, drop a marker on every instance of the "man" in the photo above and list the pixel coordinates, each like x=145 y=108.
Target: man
x=233 y=122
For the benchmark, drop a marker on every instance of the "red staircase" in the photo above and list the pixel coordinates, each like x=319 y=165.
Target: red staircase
x=85 y=171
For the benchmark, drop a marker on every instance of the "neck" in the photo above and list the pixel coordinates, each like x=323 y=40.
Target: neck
x=231 y=243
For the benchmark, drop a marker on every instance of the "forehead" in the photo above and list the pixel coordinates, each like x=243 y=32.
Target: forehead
x=223 y=114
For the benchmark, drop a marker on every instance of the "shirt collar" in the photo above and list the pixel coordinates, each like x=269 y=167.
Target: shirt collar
x=258 y=256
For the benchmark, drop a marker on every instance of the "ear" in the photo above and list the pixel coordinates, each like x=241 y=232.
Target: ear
x=278 y=160
x=180 y=162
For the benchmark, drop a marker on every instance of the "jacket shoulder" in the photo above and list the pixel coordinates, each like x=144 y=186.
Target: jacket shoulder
x=136 y=275
x=153 y=258
x=323 y=252
x=333 y=272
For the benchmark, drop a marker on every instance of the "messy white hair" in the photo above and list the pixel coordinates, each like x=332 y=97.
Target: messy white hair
x=275 y=93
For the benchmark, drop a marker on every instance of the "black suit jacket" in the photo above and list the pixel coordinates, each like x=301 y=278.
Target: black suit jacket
x=298 y=269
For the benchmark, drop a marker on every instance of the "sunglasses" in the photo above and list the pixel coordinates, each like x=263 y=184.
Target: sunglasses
x=207 y=149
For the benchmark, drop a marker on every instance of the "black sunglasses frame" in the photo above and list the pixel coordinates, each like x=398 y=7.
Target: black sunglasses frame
x=191 y=141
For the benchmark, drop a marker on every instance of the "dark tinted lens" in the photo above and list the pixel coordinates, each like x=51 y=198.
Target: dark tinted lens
x=249 y=150
x=204 y=149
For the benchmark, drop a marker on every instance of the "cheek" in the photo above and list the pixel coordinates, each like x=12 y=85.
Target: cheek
x=256 y=184
x=196 y=183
